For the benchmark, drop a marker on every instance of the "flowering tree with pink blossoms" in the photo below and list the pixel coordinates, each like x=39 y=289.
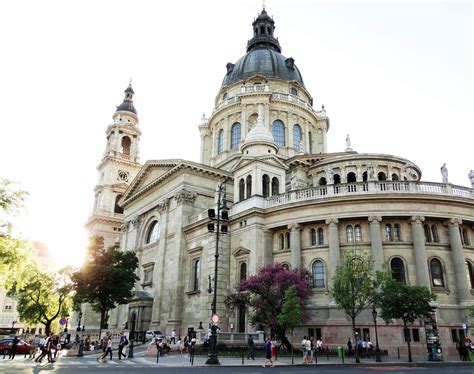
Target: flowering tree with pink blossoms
x=263 y=294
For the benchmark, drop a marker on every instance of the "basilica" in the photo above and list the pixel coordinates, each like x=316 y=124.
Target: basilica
x=264 y=155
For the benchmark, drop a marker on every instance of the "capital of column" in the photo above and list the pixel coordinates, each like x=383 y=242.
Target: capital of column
x=417 y=219
x=332 y=221
x=163 y=206
x=375 y=219
x=294 y=226
x=453 y=222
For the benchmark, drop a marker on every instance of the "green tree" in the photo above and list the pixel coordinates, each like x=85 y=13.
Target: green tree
x=13 y=251
x=106 y=279
x=290 y=315
x=354 y=287
x=41 y=297
x=406 y=302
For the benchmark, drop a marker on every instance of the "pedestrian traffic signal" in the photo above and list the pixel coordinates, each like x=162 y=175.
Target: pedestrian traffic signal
x=224 y=229
x=211 y=213
x=225 y=215
x=210 y=227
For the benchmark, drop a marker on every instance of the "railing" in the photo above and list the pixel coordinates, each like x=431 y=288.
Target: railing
x=363 y=188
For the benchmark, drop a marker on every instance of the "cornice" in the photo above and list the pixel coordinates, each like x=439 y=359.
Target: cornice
x=119 y=161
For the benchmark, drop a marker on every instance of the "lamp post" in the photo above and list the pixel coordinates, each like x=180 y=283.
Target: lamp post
x=13 y=325
x=222 y=215
x=377 y=349
x=79 y=322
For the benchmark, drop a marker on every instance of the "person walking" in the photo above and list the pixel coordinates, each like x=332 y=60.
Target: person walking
x=173 y=337
x=44 y=351
x=349 y=347
x=108 y=349
x=13 y=348
x=268 y=352
x=250 y=348
x=122 y=343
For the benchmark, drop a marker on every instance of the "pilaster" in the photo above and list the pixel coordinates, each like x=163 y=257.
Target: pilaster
x=376 y=242
x=295 y=245
x=421 y=261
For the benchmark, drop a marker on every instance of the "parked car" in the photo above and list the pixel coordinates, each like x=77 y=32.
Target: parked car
x=154 y=334
x=5 y=345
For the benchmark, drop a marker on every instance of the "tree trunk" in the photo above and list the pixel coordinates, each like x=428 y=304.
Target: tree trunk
x=355 y=340
x=47 y=327
x=407 y=337
x=286 y=343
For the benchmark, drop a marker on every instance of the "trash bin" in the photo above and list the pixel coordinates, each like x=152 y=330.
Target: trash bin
x=436 y=354
x=469 y=355
x=340 y=352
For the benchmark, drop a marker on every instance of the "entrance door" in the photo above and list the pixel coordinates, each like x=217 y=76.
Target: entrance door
x=241 y=311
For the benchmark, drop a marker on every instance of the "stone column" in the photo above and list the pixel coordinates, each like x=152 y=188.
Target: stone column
x=334 y=250
x=376 y=242
x=459 y=261
x=295 y=245
x=267 y=247
x=421 y=261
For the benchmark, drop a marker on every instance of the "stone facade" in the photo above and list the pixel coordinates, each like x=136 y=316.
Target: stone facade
x=292 y=202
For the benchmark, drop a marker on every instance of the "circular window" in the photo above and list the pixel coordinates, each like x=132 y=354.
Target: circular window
x=122 y=176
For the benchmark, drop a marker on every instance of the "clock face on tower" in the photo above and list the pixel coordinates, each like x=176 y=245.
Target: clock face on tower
x=122 y=176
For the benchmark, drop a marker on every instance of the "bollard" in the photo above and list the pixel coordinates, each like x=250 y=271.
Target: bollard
x=192 y=356
x=398 y=351
x=242 y=357
x=315 y=356
x=130 y=349
x=342 y=356
x=80 y=351
x=292 y=358
x=327 y=352
x=157 y=354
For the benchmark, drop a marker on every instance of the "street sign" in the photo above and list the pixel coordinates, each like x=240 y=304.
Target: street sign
x=215 y=318
x=62 y=321
x=464 y=326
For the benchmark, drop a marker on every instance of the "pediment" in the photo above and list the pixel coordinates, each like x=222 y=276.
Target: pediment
x=240 y=251
x=267 y=160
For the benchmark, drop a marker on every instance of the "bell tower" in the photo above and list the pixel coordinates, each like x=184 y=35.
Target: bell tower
x=119 y=165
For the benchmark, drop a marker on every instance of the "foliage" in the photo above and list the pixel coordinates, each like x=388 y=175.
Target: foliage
x=106 y=279
x=470 y=311
x=290 y=315
x=406 y=302
x=13 y=251
x=264 y=294
x=41 y=297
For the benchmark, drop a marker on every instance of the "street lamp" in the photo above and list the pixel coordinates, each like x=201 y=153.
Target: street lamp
x=79 y=317
x=222 y=215
x=13 y=325
x=377 y=349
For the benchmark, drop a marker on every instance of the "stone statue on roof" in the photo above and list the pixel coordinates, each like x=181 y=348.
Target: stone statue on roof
x=444 y=173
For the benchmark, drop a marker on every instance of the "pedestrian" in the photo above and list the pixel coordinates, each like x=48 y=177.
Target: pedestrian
x=49 y=347
x=308 y=351
x=108 y=349
x=13 y=348
x=44 y=351
x=250 y=348
x=312 y=349
x=173 y=337
x=34 y=346
x=349 y=347
x=122 y=343
x=274 y=348
x=268 y=352
x=87 y=343
x=303 y=346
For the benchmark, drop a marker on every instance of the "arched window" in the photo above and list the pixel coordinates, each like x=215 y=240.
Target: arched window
x=320 y=236
x=470 y=276
x=241 y=189
x=310 y=142
x=394 y=177
x=381 y=176
x=313 y=237
x=465 y=237
x=286 y=266
x=118 y=209
x=235 y=136
x=358 y=233
x=153 y=232
x=351 y=177
x=220 y=142
x=427 y=233
x=322 y=181
x=197 y=275
x=287 y=239
x=388 y=232
x=125 y=146
x=337 y=179
x=398 y=270
x=278 y=132
x=350 y=234
x=281 y=238
x=434 y=233
x=266 y=185
x=437 y=278
x=249 y=186
x=396 y=233
x=275 y=186
x=243 y=271
x=364 y=176
x=296 y=136
x=318 y=274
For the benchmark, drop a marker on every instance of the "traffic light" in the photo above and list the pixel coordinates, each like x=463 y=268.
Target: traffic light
x=210 y=227
x=225 y=215
x=211 y=213
x=224 y=229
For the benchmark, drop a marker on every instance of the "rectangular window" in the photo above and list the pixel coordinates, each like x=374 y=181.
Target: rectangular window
x=148 y=275
x=8 y=306
x=318 y=333
x=454 y=335
x=366 y=335
x=416 y=335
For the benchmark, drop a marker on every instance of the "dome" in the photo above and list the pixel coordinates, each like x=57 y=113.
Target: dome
x=127 y=106
x=263 y=61
x=258 y=136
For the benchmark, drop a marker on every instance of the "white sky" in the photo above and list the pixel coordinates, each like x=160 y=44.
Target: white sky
x=395 y=75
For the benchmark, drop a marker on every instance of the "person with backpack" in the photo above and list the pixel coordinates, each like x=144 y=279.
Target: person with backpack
x=123 y=342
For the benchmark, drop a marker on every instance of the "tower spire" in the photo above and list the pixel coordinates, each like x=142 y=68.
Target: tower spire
x=127 y=104
x=263 y=28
